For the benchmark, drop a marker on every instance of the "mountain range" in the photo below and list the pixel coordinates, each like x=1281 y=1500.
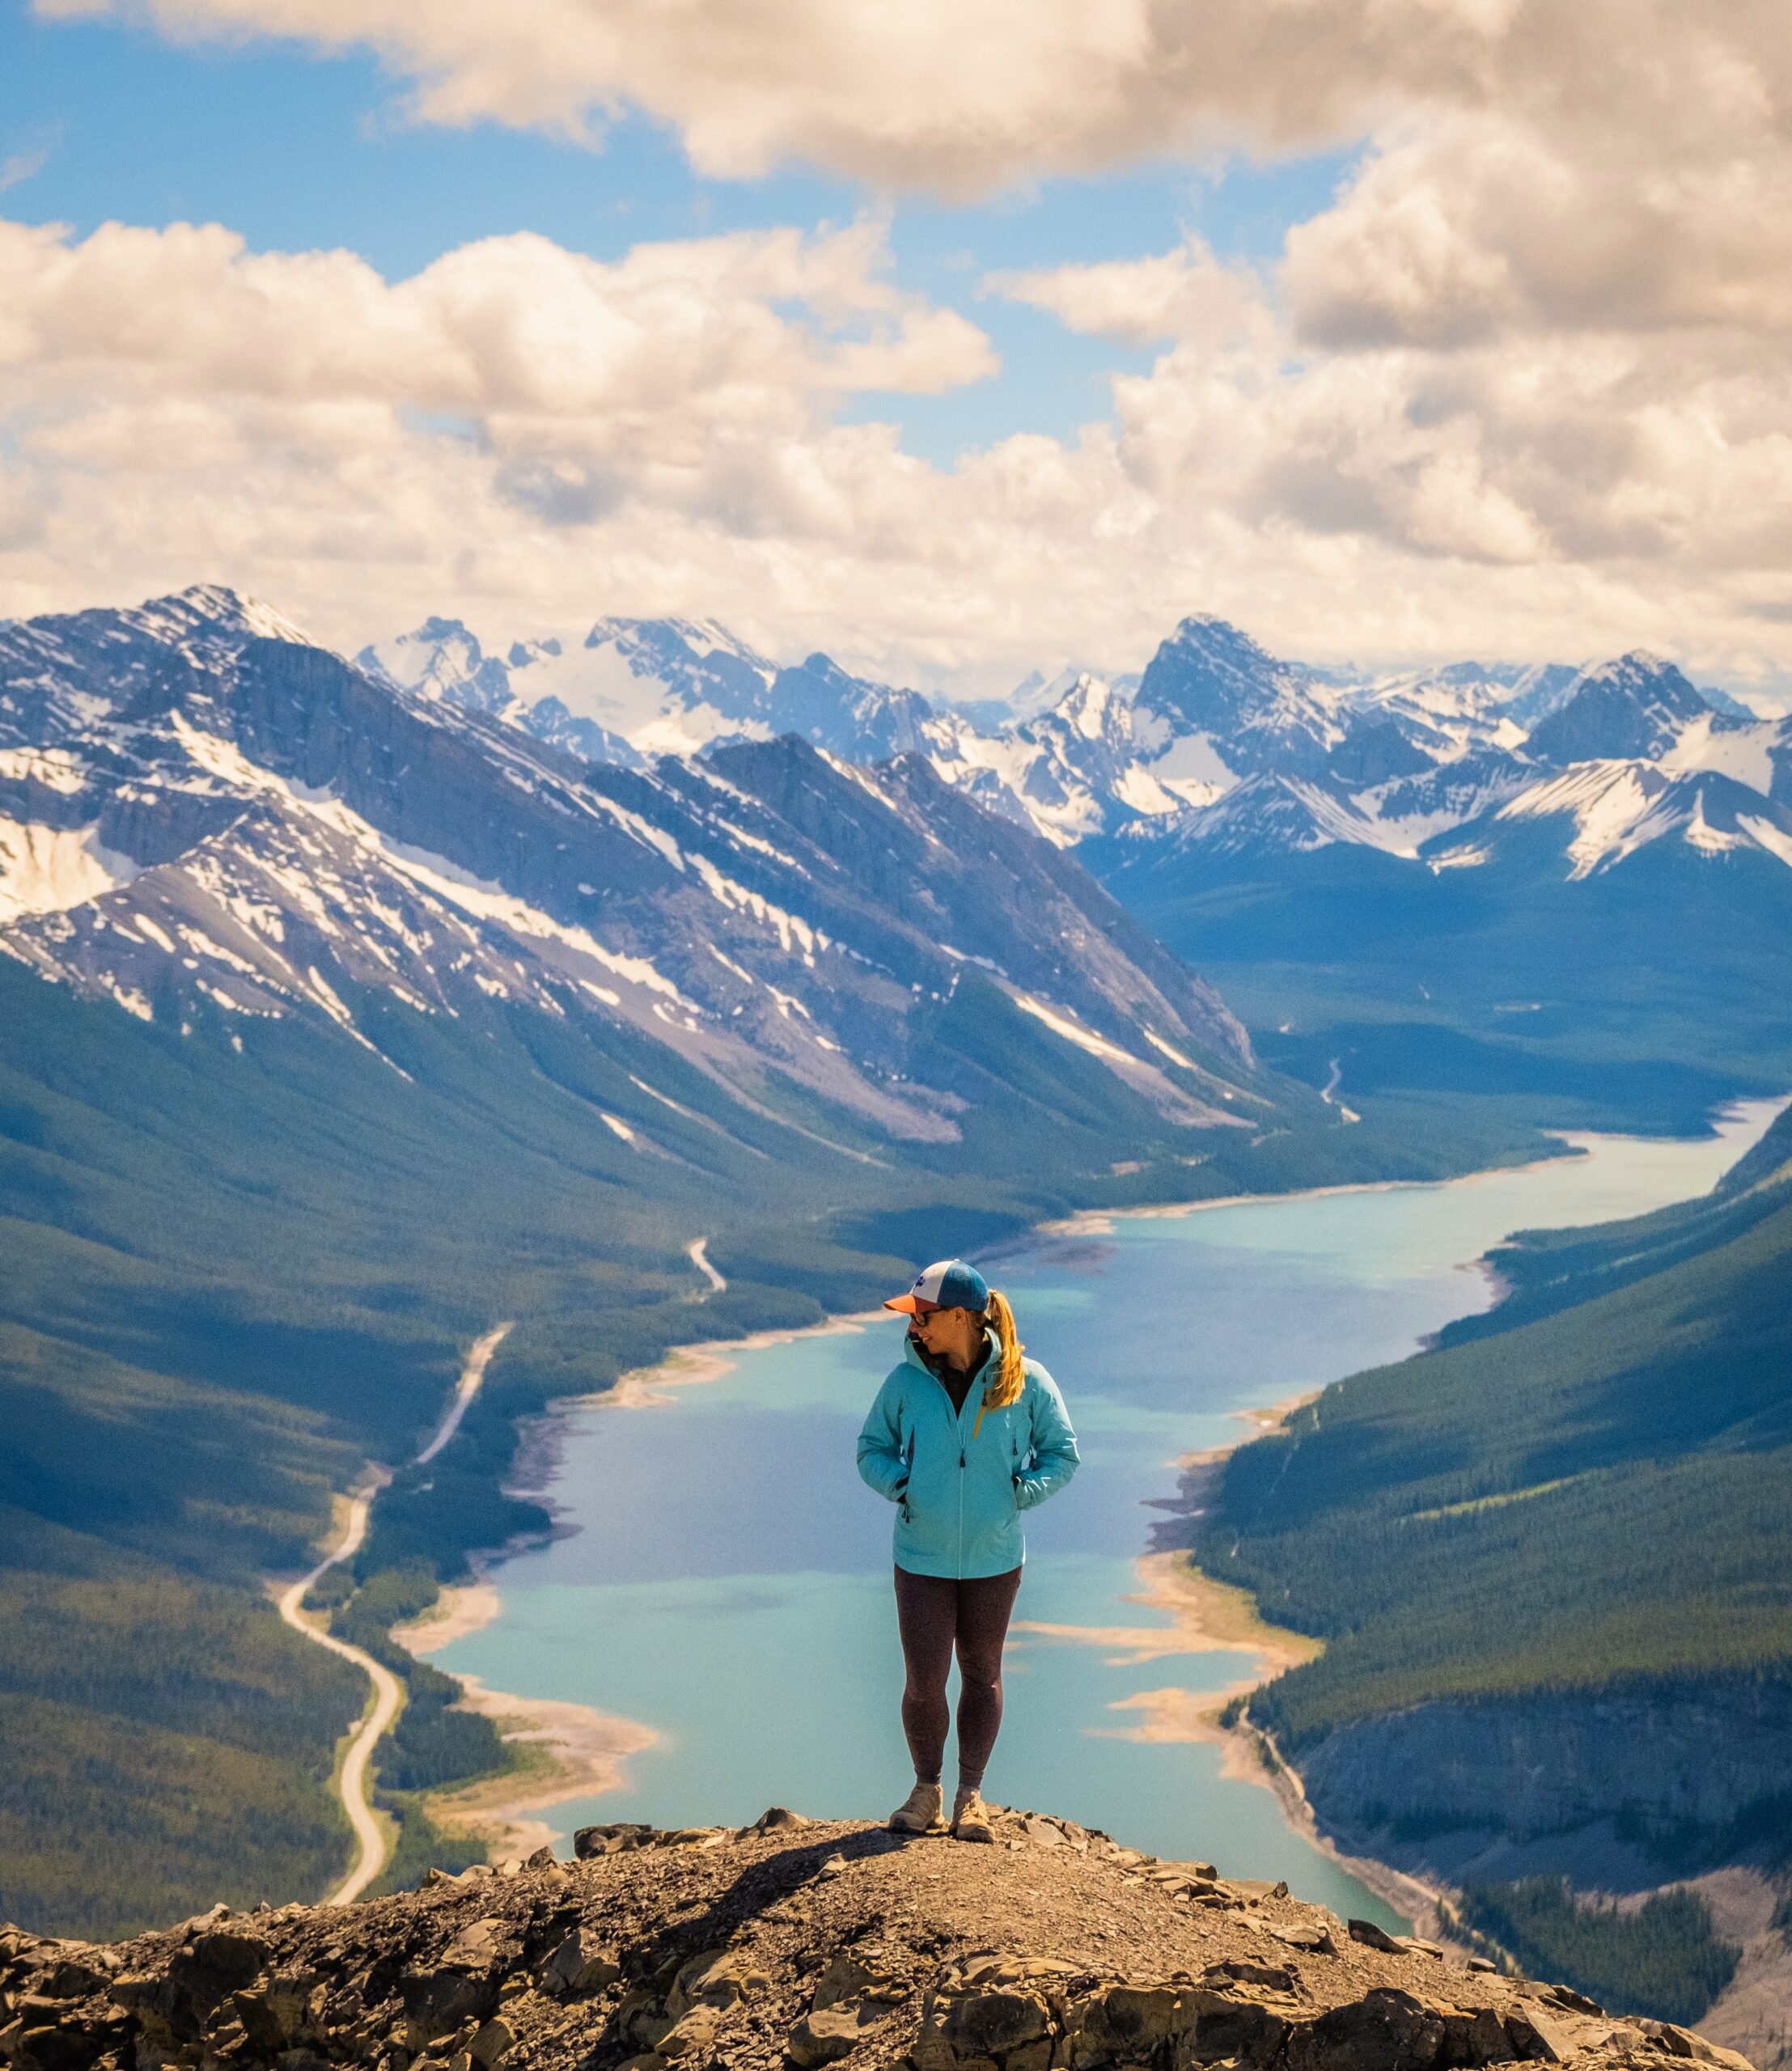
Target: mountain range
x=212 y=820
x=1539 y=894
x=1218 y=745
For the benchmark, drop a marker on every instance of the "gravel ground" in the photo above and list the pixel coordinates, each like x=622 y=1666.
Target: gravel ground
x=805 y=1942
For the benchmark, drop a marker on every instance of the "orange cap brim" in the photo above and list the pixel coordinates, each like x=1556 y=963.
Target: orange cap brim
x=910 y=1305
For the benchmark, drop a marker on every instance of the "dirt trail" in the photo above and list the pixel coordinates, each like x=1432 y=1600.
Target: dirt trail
x=699 y=1255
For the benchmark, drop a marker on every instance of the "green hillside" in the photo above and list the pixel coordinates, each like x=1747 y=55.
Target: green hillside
x=1505 y=989
x=1600 y=1494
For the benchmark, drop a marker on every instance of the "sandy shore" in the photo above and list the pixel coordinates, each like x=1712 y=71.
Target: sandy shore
x=464 y=1608
x=559 y=1751
x=690 y=1365
x=1203 y=1616
x=1100 y=1222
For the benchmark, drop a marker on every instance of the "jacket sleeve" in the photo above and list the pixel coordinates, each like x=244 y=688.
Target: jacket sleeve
x=1054 y=1444
x=882 y=1463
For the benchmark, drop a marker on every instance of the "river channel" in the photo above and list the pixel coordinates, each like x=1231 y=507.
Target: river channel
x=725 y=1576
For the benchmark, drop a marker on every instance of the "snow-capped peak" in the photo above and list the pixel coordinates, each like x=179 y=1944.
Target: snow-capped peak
x=1634 y=705
x=440 y=658
x=212 y=608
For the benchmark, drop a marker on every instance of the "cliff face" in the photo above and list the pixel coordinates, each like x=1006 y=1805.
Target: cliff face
x=799 y=1942
x=1437 y=1784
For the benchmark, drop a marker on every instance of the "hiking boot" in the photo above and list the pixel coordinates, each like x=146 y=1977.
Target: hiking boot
x=971 y=1818
x=919 y=1813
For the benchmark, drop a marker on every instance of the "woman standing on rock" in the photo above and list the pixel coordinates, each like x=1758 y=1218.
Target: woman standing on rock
x=965 y=1435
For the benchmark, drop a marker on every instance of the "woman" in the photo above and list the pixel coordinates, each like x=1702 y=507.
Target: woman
x=965 y=1435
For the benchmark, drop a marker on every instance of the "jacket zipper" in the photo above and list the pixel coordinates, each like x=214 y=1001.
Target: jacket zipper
x=958 y=1427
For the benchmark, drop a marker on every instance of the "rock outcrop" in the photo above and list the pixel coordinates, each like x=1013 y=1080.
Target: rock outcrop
x=1700 y=1757
x=807 y=1943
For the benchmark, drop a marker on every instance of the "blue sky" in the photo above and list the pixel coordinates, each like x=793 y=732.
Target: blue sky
x=297 y=151
x=1514 y=388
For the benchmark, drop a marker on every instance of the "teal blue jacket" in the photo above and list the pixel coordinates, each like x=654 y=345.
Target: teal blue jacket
x=959 y=1485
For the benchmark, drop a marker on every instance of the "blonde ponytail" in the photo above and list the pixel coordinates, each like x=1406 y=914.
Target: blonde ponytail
x=1010 y=1375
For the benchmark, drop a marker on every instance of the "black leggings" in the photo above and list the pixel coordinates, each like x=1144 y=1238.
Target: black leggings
x=935 y=1613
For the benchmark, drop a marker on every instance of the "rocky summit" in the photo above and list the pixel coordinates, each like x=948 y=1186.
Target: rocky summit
x=803 y=1942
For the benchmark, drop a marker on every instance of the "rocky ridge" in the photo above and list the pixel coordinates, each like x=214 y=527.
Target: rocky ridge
x=803 y=1942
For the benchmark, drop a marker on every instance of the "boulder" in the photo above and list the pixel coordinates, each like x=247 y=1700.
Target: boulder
x=617 y=1839
x=1682 y=2042
x=74 y=1977
x=1372 y=1936
x=986 y=2023
x=693 y=2036
x=1225 y=2019
x=139 y=1995
x=1538 y=2033
x=856 y=1976
x=437 y=2002
x=824 y=2034
x=1315 y=1941
x=579 y=1964
x=57 y=2046
x=492 y=2042
x=1387 y=2030
x=773 y=1817
x=232 y=1954
x=718 y=1978
x=1473 y=2036
x=479 y=1945
x=1556 y=1995
x=1127 y=2024
x=285 y=2009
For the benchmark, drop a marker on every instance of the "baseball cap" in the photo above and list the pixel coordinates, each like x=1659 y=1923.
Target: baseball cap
x=946 y=1283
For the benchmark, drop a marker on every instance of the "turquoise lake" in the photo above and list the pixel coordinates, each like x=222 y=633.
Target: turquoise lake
x=724 y=1577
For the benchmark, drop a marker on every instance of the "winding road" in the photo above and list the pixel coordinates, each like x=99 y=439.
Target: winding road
x=388 y=1694
x=1327 y=1093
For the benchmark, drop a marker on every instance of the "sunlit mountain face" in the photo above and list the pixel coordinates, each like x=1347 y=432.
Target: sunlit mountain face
x=1218 y=745
x=209 y=818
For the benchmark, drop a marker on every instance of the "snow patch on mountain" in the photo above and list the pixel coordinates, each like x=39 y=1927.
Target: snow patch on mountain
x=1743 y=750
x=45 y=869
x=1775 y=839
x=1618 y=808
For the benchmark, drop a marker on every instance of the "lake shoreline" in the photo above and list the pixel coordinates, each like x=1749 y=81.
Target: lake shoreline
x=1209 y=1613
x=559 y=1751
x=567 y=1751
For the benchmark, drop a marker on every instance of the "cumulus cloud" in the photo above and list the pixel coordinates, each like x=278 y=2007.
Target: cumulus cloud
x=1186 y=294
x=530 y=437
x=515 y=328
x=1522 y=387
x=968 y=94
